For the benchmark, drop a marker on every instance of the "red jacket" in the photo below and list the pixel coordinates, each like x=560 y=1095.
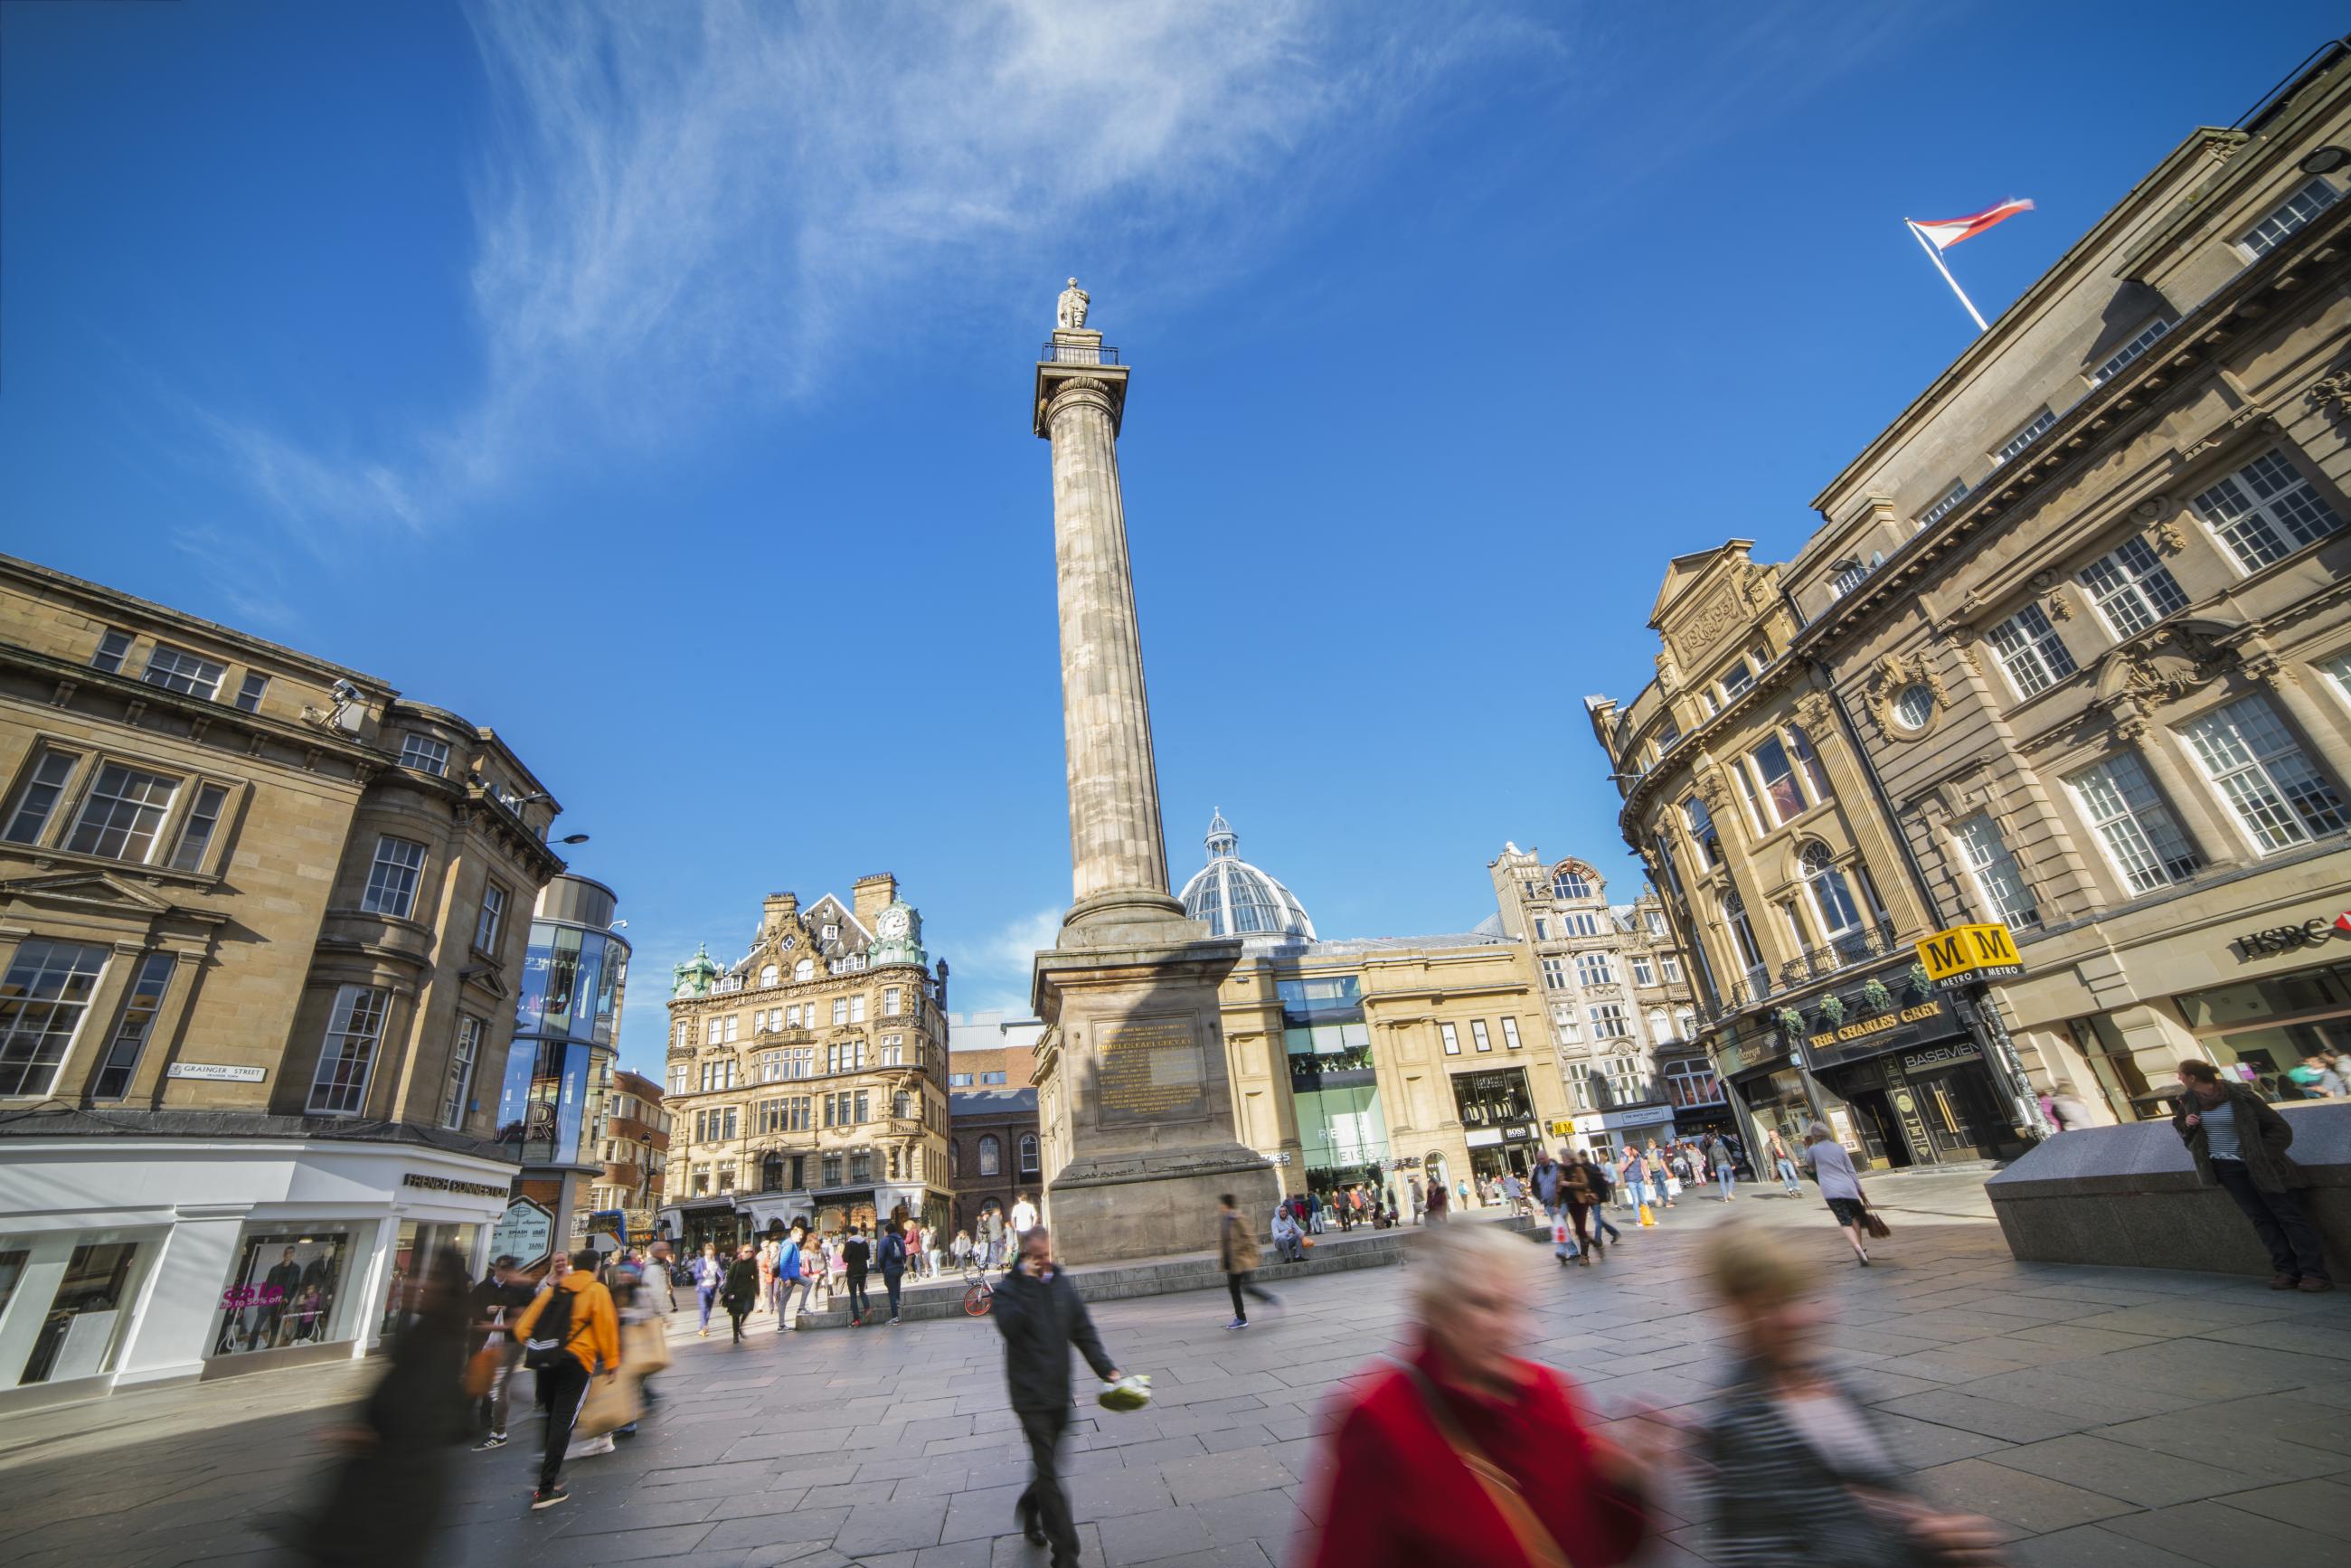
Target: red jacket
x=1397 y=1496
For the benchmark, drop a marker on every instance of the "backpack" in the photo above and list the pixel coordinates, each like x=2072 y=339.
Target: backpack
x=544 y=1348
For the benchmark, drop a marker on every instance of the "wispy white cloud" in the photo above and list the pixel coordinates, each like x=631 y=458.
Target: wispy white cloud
x=684 y=207
x=992 y=973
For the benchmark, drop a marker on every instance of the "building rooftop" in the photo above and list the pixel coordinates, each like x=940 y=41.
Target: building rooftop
x=1234 y=897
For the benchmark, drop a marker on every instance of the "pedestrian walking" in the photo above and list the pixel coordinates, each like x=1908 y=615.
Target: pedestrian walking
x=1313 y=1211
x=1790 y=1182
x=894 y=1265
x=496 y=1304
x=991 y=1226
x=1799 y=1474
x=1419 y=1201
x=2238 y=1143
x=930 y=1251
x=767 y=1254
x=1023 y=1217
x=581 y=1335
x=856 y=1256
x=1833 y=1168
x=1467 y=1453
x=1575 y=1200
x=709 y=1279
x=1717 y=1153
x=1237 y=1254
x=1514 y=1194
x=1440 y=1202
x=385 y=1501
x=661 y=1291
x=1597 y=1177
x=791 y=1279
x=1041 y=1316
x=741 y=1290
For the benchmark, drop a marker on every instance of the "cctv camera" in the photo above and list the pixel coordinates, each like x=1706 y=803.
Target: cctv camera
x=346 y=693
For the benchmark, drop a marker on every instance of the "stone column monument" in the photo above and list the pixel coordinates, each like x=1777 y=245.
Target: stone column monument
x=1132 y=1091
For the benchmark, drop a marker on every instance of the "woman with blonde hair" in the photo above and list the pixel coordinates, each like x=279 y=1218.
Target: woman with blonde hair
x=1799 y=1474
x=1833 y=1168
x=1466 y=1453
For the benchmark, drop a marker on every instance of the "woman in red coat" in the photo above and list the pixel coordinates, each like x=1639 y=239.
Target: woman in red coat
x=1466 y=1453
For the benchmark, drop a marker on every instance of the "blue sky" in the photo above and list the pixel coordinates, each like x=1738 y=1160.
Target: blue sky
x=651 y=383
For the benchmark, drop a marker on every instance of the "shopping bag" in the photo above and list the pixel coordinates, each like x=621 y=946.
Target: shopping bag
x=645 y=1347
x=1877 y=1229
x=1306 y=1241
x=1558 y=1233
x=611 y=1403
x=482 y=1368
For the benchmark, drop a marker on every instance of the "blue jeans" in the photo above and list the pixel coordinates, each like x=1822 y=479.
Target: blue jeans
x=1789 y=1179
x=1728 y=1177
x=709 y=1294
x=1600 y=1220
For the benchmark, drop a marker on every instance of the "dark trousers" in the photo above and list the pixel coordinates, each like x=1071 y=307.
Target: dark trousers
x=1579 y=1215
x=563 y=1389
x=2278 y=1220
x=1044 y=1497
x=857 y=1305
x=890 y=1283
x=1239 y=1283
x=736 y=1309
x=502 y=1386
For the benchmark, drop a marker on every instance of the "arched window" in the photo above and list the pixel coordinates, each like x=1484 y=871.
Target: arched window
x=991 y=1154
x=768 y=975
x=955 y=1158
x=1661 y=1026
x=1028 y=1154
x=804 y=970
x=1833 y=898
x=1571 y=884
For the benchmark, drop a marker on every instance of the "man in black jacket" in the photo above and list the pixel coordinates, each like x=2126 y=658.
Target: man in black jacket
x=1041 y=1316
x=857 y=1254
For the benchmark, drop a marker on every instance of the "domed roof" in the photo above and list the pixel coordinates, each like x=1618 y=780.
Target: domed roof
x=1236 y=898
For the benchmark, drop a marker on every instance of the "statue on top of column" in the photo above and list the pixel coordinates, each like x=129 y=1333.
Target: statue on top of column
x=1071 y=316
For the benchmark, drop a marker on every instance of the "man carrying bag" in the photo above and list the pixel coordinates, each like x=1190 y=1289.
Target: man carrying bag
x=567 y=1333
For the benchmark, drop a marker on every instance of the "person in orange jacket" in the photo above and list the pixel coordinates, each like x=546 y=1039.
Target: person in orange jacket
x=592 y=1338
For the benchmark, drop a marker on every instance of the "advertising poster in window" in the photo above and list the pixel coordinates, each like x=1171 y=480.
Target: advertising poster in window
x=284 y=1290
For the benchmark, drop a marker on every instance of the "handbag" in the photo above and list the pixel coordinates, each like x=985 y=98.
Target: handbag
x=645 y=1345
x=482 y=1368
x=1879 y=1230
x=1502 y=1491
x=611 y=1403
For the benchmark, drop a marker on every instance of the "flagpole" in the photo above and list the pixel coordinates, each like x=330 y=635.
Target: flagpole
x=1937 y=257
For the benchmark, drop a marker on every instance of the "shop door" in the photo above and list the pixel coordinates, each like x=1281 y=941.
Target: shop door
x=1961 y=1115
x=1881 y=1133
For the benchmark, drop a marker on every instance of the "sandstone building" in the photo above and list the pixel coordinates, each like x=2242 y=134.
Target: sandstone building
x=807 y=1079
x=262 y=929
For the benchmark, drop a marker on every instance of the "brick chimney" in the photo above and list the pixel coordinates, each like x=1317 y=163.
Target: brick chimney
x=777 y=910
x=873 y=895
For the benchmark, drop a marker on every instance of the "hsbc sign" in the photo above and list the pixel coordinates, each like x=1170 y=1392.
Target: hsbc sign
x=2316 y=931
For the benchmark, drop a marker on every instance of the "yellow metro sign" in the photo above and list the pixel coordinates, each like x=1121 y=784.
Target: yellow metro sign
x=1965 y=954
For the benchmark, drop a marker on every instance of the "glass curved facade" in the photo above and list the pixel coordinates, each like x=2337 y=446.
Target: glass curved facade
x=566 y=1018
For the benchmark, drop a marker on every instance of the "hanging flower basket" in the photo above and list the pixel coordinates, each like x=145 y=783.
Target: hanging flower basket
x=1878 y=997
x=1791 y=1019
x=1918 y=980
x=1832 y=1009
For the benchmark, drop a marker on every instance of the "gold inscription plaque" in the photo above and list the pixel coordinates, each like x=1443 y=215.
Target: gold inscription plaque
x=1152 y=1072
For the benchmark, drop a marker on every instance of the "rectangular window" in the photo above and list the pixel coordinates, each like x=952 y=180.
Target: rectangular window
x=733 y=1126
x=986 y=1078
x=177 y=669
x=1609 y=1023
x=2145 y=844
x=1593 y=970
x=392 y=880
x=30 y=820
x=1510 y=1033
x=2287 y=216
x=2265 y=511
x=1672 y=965
x=840 y=1010
x=2038 y=426
x=347 y=1056
x=1644 y=972
x=890 y=1002
x=959 y=1079
x=119 y=818
x=1701 y=822
x=734 y=1028
x=248 y=695
x=112 y=649
x=2256 y=767
x=130 y=1041
x=1555 y=972
x=1816 y=777
x=425 y=755
x=1452 y=1040
x=1849 y=576
x=894 y=1050
x=1944 y=503
x=1770 y=770
x=1478 y=1036
x=1738 y=678
x=1543 y=929
x=196 y=837
x=680 y=1076
x=2000 y=882
x=463 y=1053
x=491 y=921
x=714 y=1032
x=42 y=1003
x=2030 y=650
x=831 y=1164
x=1563 y=1020
x=2132 y=590
x=857 y=1009
x=771 y=1068
x=1583 y=923
x=2130 y=351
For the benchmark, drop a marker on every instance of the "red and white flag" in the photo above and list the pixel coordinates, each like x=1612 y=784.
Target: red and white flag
x=1947 y=232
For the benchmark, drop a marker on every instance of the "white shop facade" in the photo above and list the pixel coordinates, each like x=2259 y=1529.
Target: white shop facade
x=132 y=1260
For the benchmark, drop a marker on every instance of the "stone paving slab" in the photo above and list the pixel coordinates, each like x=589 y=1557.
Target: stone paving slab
x=2100 y=1416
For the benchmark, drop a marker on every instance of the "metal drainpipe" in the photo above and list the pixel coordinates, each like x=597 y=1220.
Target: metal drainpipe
x=1991 y=1038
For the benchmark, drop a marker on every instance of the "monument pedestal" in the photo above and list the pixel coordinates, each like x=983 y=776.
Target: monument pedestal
x=1135 y=1059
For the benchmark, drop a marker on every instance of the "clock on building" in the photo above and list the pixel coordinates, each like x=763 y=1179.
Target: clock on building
x=898 y=936
x=894 y=923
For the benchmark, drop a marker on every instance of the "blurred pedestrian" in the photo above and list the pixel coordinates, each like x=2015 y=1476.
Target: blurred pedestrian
x=1040 y=1314
x=709 y=1279
x=1238 y=1255
x=498 y=1303
x=1440 y=1202
x=768 y=1251
x=741 y=1290
x=1419 y=1201
x=856 y=1257
x=583 y=1331
x=894 y=1265
x=1776 y=1150
x=385 y=1500
x=1833 y=1168
x=660 y=1288
x=2237 y=1143
x=1799 y=1473
x=1717 y=1153
x=1467 y=1453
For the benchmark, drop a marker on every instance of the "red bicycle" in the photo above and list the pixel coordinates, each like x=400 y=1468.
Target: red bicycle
x=979 y=1296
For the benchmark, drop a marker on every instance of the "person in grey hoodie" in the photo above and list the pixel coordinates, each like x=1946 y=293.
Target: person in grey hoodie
x=1833 y=1168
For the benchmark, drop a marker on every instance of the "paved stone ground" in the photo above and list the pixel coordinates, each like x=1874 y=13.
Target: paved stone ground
x=2100 y=1416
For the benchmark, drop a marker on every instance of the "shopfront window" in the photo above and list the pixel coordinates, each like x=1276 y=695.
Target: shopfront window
x=1492 y=1099
x=2129 y=1095
x=286 y=1290
x=2265 y=1029
x=412 y=1262
x=78 y=1337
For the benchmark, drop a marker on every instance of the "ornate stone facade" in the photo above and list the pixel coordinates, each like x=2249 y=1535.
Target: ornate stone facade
x=807 y=1079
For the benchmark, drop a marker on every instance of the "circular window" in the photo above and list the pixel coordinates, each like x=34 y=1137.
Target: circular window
x=1914 y=705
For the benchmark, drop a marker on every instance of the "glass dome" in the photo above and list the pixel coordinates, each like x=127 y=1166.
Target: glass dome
x=1236 y=898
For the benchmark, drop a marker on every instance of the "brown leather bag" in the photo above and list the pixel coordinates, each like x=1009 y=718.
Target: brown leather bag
x=1542 y=1548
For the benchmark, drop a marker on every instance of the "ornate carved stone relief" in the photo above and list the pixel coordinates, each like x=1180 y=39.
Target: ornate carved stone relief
x=2331 y=395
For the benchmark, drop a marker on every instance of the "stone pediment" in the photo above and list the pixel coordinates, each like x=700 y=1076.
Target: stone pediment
x=98 y=890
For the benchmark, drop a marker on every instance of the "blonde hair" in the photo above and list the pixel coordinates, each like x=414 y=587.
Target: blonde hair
x=1748 y=1266
x=1445 y=1253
